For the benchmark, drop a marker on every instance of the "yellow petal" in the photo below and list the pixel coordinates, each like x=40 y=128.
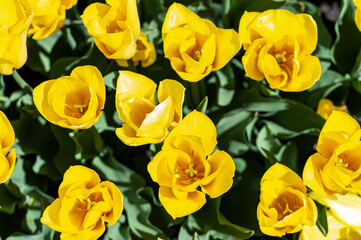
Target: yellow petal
x=128 y=136
x=117 y=202
x=309 y=73
x=7 y=165
x=177 y=15
x=181 y=207
x=7 y=135
x=228 y=44
x=136 y=85
x=312 y=176
x=245 y=33
x=174 y=90
x=220 y=178
x=199 y=125
x=250 y=60
x=346 y=208
x=78 y=175
x=337 y=122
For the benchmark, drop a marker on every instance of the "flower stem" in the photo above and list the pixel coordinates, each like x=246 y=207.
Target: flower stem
x=195 y=93
x=21 y=82
x=131 y=65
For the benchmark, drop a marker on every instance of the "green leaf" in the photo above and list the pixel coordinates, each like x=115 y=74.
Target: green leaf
x=348 y=38
x=90 y=143
x=202 y=107
x=270 y=156
x=7 y=201
x=231 y=130
x=321 y=222
x=209 y=223
x=226 y=85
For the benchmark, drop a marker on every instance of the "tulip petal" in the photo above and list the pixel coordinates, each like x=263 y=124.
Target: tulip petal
x=199 y=125
x=78 y=175
x=174 y=90
x=220 y=178
x=136 y=85
x=177 y=15
x=228 y=44
x=181 y=207
x=312 y=175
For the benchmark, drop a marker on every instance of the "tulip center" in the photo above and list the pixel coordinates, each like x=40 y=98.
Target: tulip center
x=287 y=210
x=286 y=204
x=90 y=204
x=341 y=162
x=190 y=171
x=280 y=58
x=197 y=55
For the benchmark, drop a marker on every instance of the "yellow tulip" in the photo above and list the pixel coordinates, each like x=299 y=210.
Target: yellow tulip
x=336 y=230
x=145 y=53
x=278 y=47
x=284 y=206
x=336 y=167
x=195 y=46
x=49 y=16
x=145 y=122
x=114 y=27
x=7 y=139
x=84 y=205
x=346 y=208
x=186 y=164
x=358 y=13
x=326 y=107
x=14 y=24
x=74 y=101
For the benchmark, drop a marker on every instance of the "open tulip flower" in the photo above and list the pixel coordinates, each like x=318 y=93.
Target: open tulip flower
x=14 y=25
x=195 y=46
x=284 y=206
x=7 y=139
x=49 y=16
x=278 y=47
x=84 y=205
x=336 y=167
x=74 y=101
x=114 y=27
x=144 y=122
x=186 y=164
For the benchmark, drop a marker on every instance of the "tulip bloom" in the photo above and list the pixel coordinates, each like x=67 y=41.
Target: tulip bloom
x=49 y=16
x=144 y=122
x=74 y=101
x=358 y=13
x=336 y=167
x=343 y=216
x=114 y=27
x=326 y=107
x=84 y=205
x=145 y=53
x=278 y=47
x=186 y=164
x=7 y=139
x=284 y=206
x=195 y=46
x=336 y=230
x=14 y=24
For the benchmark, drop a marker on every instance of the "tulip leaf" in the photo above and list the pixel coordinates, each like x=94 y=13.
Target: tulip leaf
x=202 y=107
x=90 y=143
x=110 y=80
x=231 y=129
x=209 y=223
x=270 y=156
x=348 y=38
x=226 y=85
x=321 y=222
x=7 y=201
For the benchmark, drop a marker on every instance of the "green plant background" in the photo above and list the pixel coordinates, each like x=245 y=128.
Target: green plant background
x=255 y=124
